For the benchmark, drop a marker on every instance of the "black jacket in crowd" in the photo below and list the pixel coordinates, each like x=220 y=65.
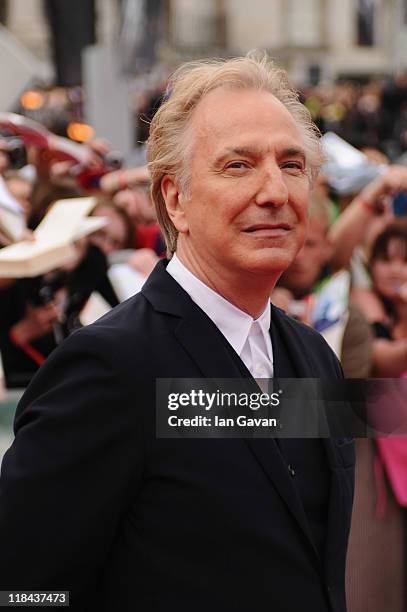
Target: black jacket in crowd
x=89 y=276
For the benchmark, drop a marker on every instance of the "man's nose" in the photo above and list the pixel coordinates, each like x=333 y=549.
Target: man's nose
x=272 y=190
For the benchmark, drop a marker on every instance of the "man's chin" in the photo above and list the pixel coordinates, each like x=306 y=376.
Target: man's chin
x=273 y=265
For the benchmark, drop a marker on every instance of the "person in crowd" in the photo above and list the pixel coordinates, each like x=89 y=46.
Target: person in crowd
x=137 y=203
x=368 y=115
x=118 y=234
x=362 y=234
x=38 y=313
x=354 y=232
x=126 y=178
x=4 y=157
x=374 y=344
x=388 y=267
x=116 y=240
x=311 y=263
x=124 y=519
x=302 y=278
x=367 y=214
x=130 y=189
x=44 y=194
x=21 y=188
x=377 y=555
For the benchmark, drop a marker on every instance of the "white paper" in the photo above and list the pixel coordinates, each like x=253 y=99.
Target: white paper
x=65 y=222
x=89 y=225
x=341 y=152
x=125 y=280
x=64 y=219
x=95 y=307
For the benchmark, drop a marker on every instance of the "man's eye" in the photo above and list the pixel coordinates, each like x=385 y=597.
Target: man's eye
x=294 y=165
x=237 y=165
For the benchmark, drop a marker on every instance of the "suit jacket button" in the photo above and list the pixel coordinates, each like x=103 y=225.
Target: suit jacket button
x=291 y=470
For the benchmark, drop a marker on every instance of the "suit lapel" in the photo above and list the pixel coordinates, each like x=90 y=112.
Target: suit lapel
x=294 y=344
x=269 y=457
x=336 y=529
x=273 y=462
x=209 y=350
x=206 y=346
x=196 y=332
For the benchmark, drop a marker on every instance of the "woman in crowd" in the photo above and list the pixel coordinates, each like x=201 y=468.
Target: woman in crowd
x=118 y=234
x=388 y=266
x=377 y=555
x=37 y=313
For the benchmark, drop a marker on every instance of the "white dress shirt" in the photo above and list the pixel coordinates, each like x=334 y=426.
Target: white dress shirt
x=249 y=337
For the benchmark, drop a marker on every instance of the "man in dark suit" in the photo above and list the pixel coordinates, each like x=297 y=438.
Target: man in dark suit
x=91 y=500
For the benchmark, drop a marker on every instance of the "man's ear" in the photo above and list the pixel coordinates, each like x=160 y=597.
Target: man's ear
x=174 y=202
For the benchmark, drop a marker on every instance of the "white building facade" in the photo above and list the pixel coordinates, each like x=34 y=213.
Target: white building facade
x=329 y=38
x=311 y=38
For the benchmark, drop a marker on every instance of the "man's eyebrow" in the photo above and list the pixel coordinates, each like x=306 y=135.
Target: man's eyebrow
x=293 y=152
x=241 y=151
x=251 y=151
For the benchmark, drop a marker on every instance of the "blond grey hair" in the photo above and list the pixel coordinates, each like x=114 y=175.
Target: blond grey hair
x=167 y=146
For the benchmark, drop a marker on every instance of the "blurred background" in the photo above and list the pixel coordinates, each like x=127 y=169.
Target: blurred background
x=67 y=62
x=81 y=80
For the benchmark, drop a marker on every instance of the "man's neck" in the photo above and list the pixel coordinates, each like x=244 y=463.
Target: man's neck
x=249 y=293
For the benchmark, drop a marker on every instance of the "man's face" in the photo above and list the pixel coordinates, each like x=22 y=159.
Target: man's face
x=389 y=271
x=137 y=203
x=249 y=188
x=113 y=236
x=304 y=272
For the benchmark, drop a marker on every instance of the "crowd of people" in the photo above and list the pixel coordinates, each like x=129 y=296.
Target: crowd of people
x=372 y=114
x=38 y=312
x=369 y=241
x=362 y=233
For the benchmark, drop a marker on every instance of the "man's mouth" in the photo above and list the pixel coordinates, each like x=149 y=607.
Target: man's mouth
x=268 y=230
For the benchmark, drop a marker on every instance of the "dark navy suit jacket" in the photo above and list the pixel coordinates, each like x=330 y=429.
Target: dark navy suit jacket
x=92 y=502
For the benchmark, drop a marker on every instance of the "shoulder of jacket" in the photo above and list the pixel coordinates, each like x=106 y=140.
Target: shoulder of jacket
x=309 y=337
x=298 y=327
